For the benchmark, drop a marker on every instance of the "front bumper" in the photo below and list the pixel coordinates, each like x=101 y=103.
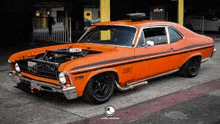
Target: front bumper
x=69 y=92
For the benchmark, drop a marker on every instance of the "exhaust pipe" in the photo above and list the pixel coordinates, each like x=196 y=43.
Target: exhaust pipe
x=130 y=86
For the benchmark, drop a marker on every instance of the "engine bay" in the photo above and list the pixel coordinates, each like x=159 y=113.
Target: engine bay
x=63 y=55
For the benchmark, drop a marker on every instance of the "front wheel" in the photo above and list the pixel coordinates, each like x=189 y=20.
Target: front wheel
x=100 y=88
x=190 y=68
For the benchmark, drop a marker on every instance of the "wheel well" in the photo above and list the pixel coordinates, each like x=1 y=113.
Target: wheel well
x=185 y=69
x=114 y=73
x=116 y=76
x=197 y=57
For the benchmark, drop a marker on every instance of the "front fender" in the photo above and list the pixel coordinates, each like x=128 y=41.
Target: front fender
x=101 y=71
x=81 y=84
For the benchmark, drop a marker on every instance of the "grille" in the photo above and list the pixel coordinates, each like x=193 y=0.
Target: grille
x=39 y=68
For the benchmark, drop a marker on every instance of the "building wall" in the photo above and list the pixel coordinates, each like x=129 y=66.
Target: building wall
x=95 y=12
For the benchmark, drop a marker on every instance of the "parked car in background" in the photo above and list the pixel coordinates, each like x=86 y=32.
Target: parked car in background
x=112 y=55
x=202 y=21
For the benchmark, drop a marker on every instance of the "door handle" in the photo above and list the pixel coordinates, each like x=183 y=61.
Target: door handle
x=171 y=49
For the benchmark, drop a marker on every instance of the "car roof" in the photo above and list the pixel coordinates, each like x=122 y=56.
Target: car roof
x=145 y=23
x=140 y=23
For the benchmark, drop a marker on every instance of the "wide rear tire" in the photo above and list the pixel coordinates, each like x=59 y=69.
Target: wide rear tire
x=190 y=68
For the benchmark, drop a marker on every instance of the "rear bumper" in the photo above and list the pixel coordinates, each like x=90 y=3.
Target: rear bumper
x=69 y=92
x=214 y=50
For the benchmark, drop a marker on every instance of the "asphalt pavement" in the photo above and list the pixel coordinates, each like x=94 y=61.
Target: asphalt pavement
x=196 y=105
x=166 y=100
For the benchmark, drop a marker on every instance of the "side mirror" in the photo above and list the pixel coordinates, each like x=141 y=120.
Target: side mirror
x=150 y=43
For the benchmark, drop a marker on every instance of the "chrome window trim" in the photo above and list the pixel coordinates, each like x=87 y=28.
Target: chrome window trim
x=139 y=35
x=176 y=31
x=145 y=27
x=115 y=25
x=168 y=35
x=84 y=34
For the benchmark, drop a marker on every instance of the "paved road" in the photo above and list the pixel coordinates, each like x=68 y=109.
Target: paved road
x=17 y=106
x=199 y=104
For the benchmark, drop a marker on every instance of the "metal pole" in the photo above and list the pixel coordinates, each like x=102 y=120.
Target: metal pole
x=180 y=11
x=105 y=16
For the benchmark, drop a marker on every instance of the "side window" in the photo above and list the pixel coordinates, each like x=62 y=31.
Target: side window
x=156 y=35
x=174 y=36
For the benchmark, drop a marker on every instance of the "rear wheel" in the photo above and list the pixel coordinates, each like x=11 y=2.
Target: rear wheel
x=190 y=68
x=100 y=88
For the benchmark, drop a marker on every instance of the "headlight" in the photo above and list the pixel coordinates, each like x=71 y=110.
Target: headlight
x=62 y=78
x=17 y=68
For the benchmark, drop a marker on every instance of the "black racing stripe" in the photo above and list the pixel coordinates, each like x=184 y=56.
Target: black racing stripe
x=140 y=56
x=147 y=59
x=104 y=62
x=153 y=54
x=194 y=46
x=118 y=60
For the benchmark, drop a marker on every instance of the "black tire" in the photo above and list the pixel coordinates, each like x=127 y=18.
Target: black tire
x=24 y=86
x=190 y=68
x=100 y=88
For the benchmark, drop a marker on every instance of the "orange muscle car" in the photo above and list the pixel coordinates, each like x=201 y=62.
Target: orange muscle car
x=112 y=55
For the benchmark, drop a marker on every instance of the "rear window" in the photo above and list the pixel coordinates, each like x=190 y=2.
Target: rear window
x=174 y=36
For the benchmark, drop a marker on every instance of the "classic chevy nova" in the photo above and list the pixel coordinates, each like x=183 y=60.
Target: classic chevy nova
x=112 y=55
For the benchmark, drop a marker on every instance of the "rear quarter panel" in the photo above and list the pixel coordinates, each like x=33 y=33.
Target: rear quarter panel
x=193 y=44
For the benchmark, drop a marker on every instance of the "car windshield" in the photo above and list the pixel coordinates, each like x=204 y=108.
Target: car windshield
x=110 y=35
